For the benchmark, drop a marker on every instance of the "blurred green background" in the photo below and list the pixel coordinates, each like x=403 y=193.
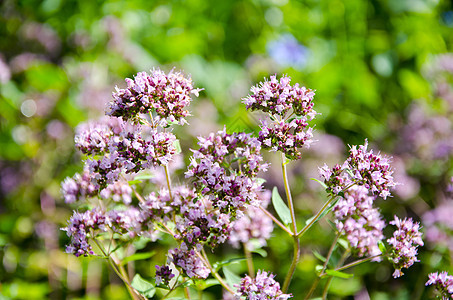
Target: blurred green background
x=381 y=70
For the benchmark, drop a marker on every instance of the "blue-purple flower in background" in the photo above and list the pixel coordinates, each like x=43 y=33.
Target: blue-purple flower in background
x=287 y=52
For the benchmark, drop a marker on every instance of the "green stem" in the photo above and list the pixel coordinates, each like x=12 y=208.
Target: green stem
x=292 y=268
x=288 y=194
x=296 y=252
x=325 y=206
x=276 y=221
x=205 y=260
x=186 y=292
x=248 y=256
x=326 y=262
x=134 y=295
x=355 y=263
x=329 y=280
x=167 y=175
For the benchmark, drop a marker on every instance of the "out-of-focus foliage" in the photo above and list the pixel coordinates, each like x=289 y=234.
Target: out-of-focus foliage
x=375 y=65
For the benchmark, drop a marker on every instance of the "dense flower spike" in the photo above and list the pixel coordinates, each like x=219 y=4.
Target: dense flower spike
x=254 y=227
x=362 y=167
x=82 y=226
x=286 y=137
x=166 y=94
x=79 y=228
x=131 y=152
x=262 y=287
x=79 y=187
x=189 y=262
x=225 y=169
x=404 y=244
x=443 y=284
x=163 y=275
x=359 y=221
x=278 y=97
x=291 y=107
x=118 y=191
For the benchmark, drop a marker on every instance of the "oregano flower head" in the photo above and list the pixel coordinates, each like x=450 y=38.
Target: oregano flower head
x=404 y=244
x=443 y=283
x=262 y=287
x=290 y=109
x=167 y=95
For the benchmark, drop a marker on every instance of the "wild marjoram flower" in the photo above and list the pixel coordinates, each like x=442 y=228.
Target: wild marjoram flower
x=404 y=244
x=362 y=167
x=224 y=199
x=166 y=94
x=290 y=108
x=359 y=221
x=262 y=287
x=443 y=284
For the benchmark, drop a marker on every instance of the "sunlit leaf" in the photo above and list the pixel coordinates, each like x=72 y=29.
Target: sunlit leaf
x=138 y=256
x=280 y=207
x=231 y=278
x=143 y=286
x=338 y=274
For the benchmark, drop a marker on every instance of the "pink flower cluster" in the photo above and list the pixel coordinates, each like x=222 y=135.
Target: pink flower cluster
x=362 y=167
x=79 y=187
x=163 y=275
x=166 y=94
x=131 y=152
x=89 y=224
x=443 y=284
x=290 y=108
x=359 y=221
x=189 y=261
x=278 y=97
x=286 y=137
x=224 y=168
x=404 y=244
x=262 y=287
x=254 y=227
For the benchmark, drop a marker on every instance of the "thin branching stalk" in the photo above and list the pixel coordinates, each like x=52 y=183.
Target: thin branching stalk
x=115 y=266
x=205 y=260
x=276 y=221
x=325 y=206
x=355 y=263
x=186 y=292
x=288 y=193
x=167 y=176
x=296 y=252
x=326 y=262
x=329 y=280
x=248 y=256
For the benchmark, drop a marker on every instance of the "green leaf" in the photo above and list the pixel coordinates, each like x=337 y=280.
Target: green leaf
x=230 y=277
x=325 y=212
x=137 y=256
x=382 y=247
x=280 y=207
x=318 y=268
x=177 y=146
x=319 y=256
x=204 y=284
x=320 y=182
x=142 y=286
x=339 y=274
x=260 y=251
x=227 y=262
x=260 y=181
x=343 y=243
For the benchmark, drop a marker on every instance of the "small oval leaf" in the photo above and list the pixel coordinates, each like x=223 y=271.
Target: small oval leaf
x=280 y=207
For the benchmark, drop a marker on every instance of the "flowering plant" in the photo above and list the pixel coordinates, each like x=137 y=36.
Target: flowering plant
x=223 y=199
